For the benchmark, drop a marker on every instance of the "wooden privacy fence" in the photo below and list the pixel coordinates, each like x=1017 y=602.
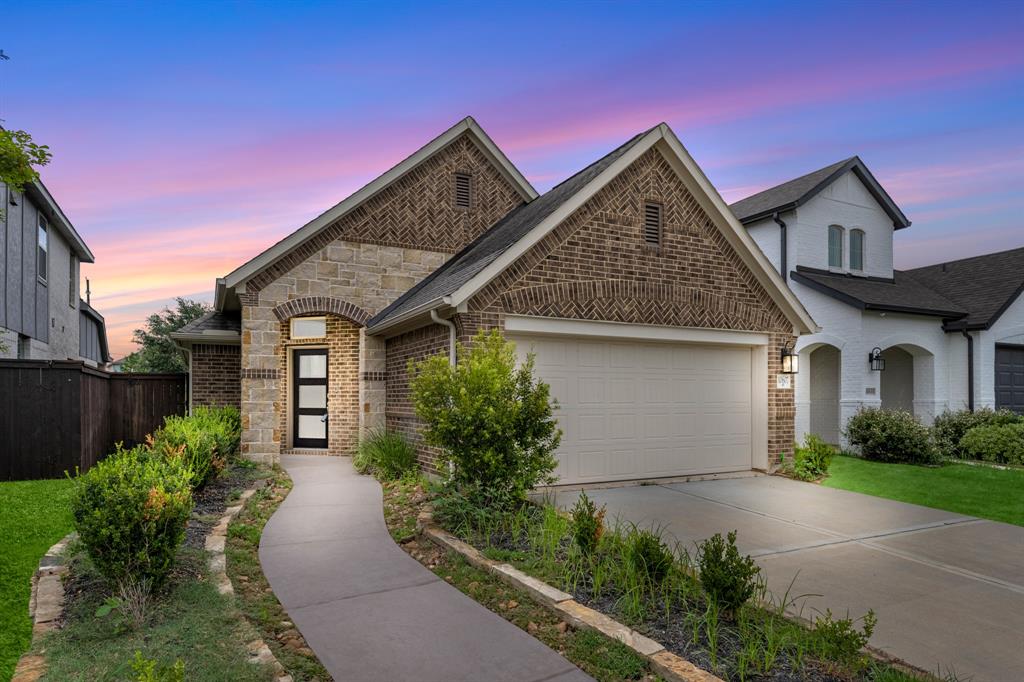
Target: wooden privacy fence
x=58 y=415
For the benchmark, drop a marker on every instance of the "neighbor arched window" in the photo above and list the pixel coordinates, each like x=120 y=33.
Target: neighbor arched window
x=857 y=250
x=835 y=246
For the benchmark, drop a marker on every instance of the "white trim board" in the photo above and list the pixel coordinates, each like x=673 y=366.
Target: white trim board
x=523 y=324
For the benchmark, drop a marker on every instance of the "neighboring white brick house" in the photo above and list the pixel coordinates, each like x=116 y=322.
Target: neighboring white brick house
x=917 y=318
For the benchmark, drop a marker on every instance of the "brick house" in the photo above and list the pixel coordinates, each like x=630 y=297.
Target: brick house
x=653 y=315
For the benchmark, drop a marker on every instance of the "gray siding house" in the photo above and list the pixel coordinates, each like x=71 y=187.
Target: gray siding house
x=42 y=316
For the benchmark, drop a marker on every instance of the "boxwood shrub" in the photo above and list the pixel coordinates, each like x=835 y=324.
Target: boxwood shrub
x=950 y=427
x=203 y=441
x=130 y=511
x=891 y=436
x=1002 y=443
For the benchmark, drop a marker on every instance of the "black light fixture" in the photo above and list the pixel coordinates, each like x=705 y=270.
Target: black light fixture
x=875 y=359
x=790 y=361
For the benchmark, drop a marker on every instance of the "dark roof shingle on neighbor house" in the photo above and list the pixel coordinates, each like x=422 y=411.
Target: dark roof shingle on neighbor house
x=792 y=193
x=903 y=293
x=464 y=265
x=985 y=286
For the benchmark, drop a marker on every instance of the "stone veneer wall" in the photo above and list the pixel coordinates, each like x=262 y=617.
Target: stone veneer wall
x=596 y=266
x=214 y=377
x=367 y=259
x=342 y=344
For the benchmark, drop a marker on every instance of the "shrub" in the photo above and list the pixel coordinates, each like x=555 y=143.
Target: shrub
x=890 y=436
x=386 y=454
x=730 y=580
x=995 y=443
x=811 y=461
x=838 y=640
x=647 y=555
x=492 y=420
x=150 y=670
x=197 y=441
x=130 y=512
x=587 y=524
x=950 y=427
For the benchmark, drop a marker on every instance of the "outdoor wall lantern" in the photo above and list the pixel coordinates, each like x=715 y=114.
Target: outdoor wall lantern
x=790 y=361
x=876 y=360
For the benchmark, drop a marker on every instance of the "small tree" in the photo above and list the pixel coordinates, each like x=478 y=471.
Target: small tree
x=158 y=353
x=492 y=419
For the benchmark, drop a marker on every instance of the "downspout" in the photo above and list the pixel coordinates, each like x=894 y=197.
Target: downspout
x=970 y=369
x=782 y=246
x=451 y=334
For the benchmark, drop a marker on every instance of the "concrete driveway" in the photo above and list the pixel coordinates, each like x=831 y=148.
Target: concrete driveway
x=948 y=589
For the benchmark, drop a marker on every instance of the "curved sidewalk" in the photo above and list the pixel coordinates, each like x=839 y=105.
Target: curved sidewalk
x=369 y=610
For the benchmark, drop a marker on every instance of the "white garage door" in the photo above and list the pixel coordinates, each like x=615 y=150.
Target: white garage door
x=633 y=410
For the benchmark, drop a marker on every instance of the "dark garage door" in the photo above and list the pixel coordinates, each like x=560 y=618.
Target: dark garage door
x=1010 y=378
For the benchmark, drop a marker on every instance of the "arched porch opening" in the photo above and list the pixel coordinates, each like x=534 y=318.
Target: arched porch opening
x=908 y=380
x=819 y=388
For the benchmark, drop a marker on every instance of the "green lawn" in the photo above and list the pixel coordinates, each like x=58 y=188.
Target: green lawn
x=33 y=516
x=974 y=490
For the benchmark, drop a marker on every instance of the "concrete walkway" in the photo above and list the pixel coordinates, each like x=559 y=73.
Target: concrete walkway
x=369 y=610
x=948 y=589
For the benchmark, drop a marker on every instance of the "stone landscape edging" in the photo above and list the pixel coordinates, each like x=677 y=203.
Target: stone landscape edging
x=216 y=540
x=45 y=606
x=671 y=667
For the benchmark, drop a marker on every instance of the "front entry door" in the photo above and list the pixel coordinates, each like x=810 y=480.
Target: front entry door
x=309 y=379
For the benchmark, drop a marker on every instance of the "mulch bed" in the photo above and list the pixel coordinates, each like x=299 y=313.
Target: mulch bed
x=212 y=500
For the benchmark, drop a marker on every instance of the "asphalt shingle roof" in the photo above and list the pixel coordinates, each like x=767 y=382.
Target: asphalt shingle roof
x=982 y=285
x=903 y=294
x=220 y=321
x=466 y=264
x=786 y=194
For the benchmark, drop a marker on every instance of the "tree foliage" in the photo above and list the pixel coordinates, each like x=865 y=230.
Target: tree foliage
x=157 y=351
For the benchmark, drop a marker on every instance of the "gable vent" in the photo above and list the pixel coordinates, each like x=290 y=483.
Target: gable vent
x=652 y=224
x=463 y=190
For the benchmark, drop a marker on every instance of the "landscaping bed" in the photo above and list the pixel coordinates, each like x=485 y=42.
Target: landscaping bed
x=187 y=620
x=603 y=658
x=976 y=490
x=33 y=516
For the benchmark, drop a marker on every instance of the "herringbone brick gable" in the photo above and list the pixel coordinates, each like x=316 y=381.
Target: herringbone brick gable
x=417 y=211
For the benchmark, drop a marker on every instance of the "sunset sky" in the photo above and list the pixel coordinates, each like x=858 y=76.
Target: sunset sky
x=188 y=137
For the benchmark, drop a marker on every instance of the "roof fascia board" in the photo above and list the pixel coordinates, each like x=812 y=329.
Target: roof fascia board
x=1003 y=308
x=899 y=220
x=716 y=208
x=505 y=166
x=857 y=303
x=436 y=304
x=77 y=243
x=541 y=230
x=353 y=201
x=229 y=338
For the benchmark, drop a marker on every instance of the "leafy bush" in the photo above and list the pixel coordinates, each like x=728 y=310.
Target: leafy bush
x=492 y=420
x=130 y=512
x=891 y=436
x=647 y=555
x=995 y=443
x=838 y=640
x=587 y=524
x=950 y=427
x=385 y=453
x=811 y=461
x=203 y=441
x=150 y=670
x=730 y=580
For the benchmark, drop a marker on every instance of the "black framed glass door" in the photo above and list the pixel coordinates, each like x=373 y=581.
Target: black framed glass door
x=309 y=398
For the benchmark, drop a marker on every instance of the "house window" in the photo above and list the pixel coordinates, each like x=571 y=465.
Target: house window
x=43 y=246
x=309 y=327
x=857 y=250
x=463 y=190
x=835 y=246
x=652 y=224
x=72 y=281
